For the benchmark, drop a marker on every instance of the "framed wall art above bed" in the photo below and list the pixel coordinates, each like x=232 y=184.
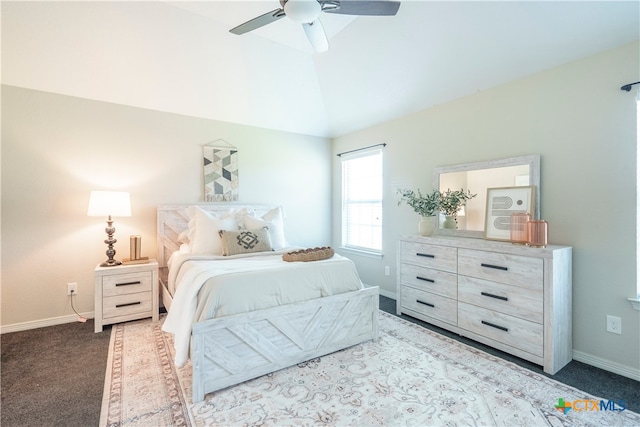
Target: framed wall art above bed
x=220 y=162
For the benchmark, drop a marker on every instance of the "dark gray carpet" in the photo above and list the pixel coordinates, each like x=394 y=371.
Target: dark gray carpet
x=55 y=376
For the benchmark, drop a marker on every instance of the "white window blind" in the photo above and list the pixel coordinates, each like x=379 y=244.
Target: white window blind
x=362 y=200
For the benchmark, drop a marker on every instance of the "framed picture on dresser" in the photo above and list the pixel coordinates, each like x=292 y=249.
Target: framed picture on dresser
x=502 y=202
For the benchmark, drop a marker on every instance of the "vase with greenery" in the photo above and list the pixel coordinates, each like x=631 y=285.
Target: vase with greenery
x=425 y=205
x=450 y=204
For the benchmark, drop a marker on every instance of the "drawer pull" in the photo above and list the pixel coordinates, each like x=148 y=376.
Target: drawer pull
x=128 y=283
x=425 y=279
x=425 y=303
x=425 y=255
x=493 y=325
x=487 y=294
x=128 y=304
x=496 y=267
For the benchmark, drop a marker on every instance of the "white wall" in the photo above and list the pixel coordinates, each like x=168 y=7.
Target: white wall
x=584 y=128
x=56 y=149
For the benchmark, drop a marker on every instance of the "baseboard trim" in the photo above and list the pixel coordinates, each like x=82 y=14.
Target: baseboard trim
x=607 y=365
x=382 y=292
x=43 y=323
x=388 y=294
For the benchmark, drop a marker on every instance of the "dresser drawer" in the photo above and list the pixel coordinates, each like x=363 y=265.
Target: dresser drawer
x=429 y=279
x=513 y=300
x=432 y=256
x=515 y=332
x=127 y=283
x=126 y=304
x=432 y=305
x=500 y=267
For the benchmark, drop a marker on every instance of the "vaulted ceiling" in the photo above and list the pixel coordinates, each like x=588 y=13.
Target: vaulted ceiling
x=179 y=56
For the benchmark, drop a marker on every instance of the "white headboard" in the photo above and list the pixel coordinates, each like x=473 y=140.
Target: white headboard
x=172 y=220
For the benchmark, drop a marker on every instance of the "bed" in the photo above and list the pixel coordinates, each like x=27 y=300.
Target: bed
x=227 y=347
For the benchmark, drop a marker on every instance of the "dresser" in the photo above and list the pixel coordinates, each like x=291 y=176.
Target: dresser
x=125 y=292
x=511 y=297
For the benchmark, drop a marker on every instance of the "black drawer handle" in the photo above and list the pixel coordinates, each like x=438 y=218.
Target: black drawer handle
x=128 y=304
x=425 y=279
x=496 y=267
x=487 y=294
x=425 y=255
x=493 y=325
x=128 y=283
x=425 y=303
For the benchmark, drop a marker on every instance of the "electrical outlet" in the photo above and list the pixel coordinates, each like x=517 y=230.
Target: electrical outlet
x=614 y=324
x=387 y=270
x=72 y=288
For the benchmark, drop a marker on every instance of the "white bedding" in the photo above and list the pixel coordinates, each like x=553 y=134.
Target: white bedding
x=207 y=287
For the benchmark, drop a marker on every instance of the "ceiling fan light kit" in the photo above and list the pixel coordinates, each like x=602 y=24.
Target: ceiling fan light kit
x=306 y=12
x=302 y=11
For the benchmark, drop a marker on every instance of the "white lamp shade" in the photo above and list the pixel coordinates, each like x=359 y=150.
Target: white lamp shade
x=105 y=203
x=302 y=11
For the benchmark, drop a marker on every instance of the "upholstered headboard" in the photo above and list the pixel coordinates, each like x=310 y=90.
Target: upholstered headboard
x=173 y=220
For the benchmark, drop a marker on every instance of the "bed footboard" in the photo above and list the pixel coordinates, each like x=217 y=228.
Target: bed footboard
x=230 y=350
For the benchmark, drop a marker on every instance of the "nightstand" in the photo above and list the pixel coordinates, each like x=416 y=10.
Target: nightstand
x=125 y=292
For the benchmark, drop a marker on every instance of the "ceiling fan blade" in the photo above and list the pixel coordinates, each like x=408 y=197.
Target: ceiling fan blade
x=258 y=22
x=316 y=35
x=361 y=7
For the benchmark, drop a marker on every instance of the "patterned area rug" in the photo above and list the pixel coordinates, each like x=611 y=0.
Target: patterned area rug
x=410 y=377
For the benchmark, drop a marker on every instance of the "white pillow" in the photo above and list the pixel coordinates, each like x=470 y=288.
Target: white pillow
x=204 y=227
x=183 y=237
x=274 y=220
x=239 y=215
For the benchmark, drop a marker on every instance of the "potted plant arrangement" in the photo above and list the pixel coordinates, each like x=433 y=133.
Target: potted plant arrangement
x=450 y=204
x=425 y=205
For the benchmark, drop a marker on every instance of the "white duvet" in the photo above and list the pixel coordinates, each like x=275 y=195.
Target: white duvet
x=216 y=286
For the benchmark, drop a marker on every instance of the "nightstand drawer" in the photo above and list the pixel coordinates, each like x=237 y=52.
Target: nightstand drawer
x=126 y=283
x=123 y=305
x=436 y=306
x=125 y=292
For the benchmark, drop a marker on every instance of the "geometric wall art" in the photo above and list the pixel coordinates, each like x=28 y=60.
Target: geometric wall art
x=220 y=172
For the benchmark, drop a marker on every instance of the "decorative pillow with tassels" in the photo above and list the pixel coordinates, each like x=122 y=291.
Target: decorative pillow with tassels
x=245 y=241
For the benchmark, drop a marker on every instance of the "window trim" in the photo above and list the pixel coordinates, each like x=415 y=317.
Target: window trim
x=351 y=155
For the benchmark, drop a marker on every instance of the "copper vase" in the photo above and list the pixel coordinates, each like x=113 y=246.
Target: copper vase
x=519 y=229
x=538 y=233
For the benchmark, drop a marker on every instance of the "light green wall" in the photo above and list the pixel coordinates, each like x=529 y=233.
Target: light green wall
x=584 y=128
x=56 y=149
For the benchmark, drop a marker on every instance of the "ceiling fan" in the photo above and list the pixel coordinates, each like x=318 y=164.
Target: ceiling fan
x=306 y=12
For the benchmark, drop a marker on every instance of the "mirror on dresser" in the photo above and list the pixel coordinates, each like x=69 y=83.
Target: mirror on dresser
x=477 y=177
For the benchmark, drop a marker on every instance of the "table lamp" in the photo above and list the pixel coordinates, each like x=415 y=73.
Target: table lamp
x=109 y=203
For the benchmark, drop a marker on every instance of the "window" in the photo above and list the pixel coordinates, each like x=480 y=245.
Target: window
x=362 y=200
